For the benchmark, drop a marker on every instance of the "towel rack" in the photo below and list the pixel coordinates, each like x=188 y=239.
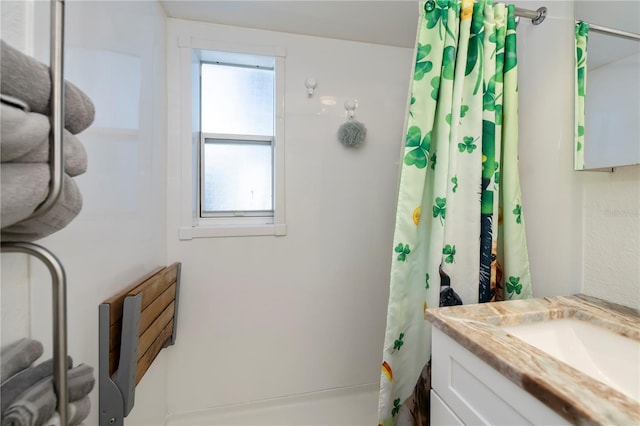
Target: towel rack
x=59 y=296
x=56 y=167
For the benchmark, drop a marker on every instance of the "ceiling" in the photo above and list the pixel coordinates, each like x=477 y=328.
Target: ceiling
x=390 y=22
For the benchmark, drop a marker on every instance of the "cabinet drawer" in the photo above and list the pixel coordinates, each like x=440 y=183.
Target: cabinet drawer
x=441 y=415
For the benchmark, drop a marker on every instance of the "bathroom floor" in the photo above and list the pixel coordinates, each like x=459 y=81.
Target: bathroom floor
x=354 y=406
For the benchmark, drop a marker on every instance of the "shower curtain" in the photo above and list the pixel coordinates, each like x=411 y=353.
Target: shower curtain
x=459 y=235
x=582 y=38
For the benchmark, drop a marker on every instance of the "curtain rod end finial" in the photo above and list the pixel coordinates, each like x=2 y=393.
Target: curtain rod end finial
x=542 y=14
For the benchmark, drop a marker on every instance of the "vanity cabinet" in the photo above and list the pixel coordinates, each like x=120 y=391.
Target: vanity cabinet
x=468 y=391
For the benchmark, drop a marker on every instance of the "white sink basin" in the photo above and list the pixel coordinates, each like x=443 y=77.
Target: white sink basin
x=596 y=351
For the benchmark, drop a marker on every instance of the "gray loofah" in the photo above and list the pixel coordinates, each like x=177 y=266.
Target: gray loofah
x=352 y=133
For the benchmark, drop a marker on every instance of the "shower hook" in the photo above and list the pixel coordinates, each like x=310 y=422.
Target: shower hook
x=310 y=83
x=351 y=106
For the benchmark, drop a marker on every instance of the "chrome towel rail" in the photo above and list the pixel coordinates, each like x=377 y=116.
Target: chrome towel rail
x=56 y=167
x=59 y=298
x=56 y=106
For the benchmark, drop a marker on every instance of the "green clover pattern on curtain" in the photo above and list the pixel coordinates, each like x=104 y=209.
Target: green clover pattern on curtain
x=582 y=38
x=459 y=190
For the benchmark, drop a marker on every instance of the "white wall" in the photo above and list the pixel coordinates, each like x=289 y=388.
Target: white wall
x=115 y=52
x=263 y=317
x=612 y=236
x=583 y=228
x=612 y=200
x=551 y=190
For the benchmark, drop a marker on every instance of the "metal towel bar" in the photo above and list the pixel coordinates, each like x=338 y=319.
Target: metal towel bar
x=56 y=106
x=59 y=311
x=56 y=167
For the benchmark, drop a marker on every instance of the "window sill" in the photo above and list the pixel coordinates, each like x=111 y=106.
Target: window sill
x=218 y=231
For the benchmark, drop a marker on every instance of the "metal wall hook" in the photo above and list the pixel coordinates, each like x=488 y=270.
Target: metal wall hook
x=350 y=106
x=311 y=84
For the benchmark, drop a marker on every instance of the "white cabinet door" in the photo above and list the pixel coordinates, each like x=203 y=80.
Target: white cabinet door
x=477 y=393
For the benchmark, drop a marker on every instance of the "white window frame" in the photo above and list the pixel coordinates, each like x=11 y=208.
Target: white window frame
x=191 y=224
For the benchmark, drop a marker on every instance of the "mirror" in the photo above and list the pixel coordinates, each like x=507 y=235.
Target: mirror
x=612 y=102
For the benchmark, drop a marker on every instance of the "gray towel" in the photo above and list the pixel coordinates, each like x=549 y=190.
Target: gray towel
x=81 y=382
x=21 y=131
x=24 y=138
x=33 y=407
x=15 y=385
x=37 y=404
x=52 y=221
x=23 y=187
x=25 y=78
x=78 y=411
x=18 y=355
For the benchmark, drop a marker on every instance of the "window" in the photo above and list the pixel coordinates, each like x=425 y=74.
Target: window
x=237 y=178
x=237 y=142
x=237 y=116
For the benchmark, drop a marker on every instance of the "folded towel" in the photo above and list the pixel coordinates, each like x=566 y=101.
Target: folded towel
x=38 y=403
x=75 y=156
x=14 y=102
x=81 y=382
x=23 y=187
x=18 y=355
x=21 y=130
x=33 y=407
x=25 y=78
x=13 y=387
x=24 y=138
x=77 y=412
x=40 y=227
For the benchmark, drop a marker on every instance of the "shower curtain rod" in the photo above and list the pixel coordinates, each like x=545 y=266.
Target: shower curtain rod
x=613 y=32
x=537 y=17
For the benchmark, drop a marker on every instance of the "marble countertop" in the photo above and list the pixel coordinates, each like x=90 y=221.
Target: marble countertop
x=572 y=394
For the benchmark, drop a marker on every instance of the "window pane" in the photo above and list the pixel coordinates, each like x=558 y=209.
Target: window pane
x=237 y=176
x=237 y=100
